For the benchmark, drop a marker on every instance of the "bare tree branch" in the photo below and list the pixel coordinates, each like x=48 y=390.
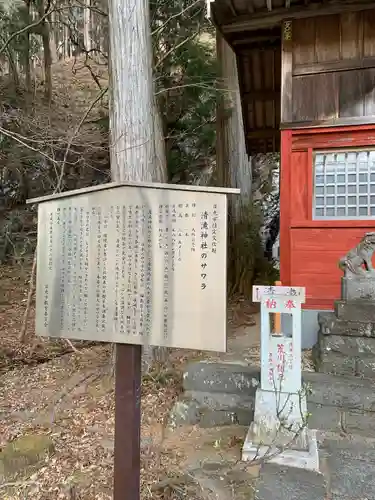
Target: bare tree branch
x=92 y=8
x=26 y=315
x=27 y=28
x=200 y=85
x=77 y=129
x=21 y=140
x=56 y=190
x=175 y=47
x=160 y=28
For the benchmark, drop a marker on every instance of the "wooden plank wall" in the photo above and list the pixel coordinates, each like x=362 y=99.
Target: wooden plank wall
x=259 y=71
x=328 y=70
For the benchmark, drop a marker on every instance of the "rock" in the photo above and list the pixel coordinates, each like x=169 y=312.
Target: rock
x=234 y=416
x=22 y=453
x=327 y=418
x=191 y=412
x=217 y=394
x=184 y=412
x=359 y=422
x=217 y=408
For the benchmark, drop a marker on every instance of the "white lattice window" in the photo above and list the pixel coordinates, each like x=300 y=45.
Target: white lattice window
x=344 y=184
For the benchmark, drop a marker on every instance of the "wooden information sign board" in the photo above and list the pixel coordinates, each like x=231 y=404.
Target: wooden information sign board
x=134 y=264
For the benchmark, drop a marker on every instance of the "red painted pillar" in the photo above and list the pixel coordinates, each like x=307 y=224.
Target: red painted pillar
x=285 y=199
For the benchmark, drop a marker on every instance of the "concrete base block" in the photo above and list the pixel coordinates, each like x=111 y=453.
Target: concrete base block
x=307 y=460
x=279 y=433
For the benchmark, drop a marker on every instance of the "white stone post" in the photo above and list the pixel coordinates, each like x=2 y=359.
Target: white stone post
x=279 y=432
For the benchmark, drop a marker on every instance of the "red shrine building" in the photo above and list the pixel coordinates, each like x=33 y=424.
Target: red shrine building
x=306 y=73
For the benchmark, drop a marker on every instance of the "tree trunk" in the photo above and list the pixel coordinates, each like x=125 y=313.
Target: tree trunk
x=13 y=69
x=47 y=62
x=66 y=42
x=136 y=146
x=47 y=56
x=27 y=62
x=87 y=25
x=53 y=38
x=133 y=116
x=234 y=170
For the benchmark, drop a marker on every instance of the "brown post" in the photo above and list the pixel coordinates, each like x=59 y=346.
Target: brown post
x=127 y=422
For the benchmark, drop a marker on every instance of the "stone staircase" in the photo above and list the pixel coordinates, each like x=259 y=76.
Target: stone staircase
x=342 y=410
x=346 y=337
x=218 y=394
x=346 y=340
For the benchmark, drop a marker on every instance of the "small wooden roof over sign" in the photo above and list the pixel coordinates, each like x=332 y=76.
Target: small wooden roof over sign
x=151 y=185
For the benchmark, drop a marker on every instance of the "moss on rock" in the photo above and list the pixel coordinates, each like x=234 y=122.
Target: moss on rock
x=22 y=453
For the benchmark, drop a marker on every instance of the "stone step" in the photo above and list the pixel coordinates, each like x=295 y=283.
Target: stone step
x=345 y=355
x=323 y=417
x=346 y=473
x=340 y=420
x=348 y=465
x=230 y=378
x=362 y=311
x=288 y=483
x=357 y=288
x=222 y=401
x=212 y=410
x=330 y=324
x=213 y=396
x=209 y=377
x=348 y=346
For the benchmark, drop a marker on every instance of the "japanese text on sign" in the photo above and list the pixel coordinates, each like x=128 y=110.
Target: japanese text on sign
x=134 y=272
x=280 y=303
x=280 y=369
x=297 y=293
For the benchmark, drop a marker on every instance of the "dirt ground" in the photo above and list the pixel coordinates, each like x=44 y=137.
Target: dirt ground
x=57 y=413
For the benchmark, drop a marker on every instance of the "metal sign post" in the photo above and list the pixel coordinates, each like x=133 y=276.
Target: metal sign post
x=127 y=422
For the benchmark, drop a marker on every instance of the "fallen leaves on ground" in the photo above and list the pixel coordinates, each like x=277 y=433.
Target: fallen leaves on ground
x=47 y=389
x=71 y=400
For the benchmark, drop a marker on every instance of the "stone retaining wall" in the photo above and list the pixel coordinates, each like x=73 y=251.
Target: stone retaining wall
x=224 y=394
